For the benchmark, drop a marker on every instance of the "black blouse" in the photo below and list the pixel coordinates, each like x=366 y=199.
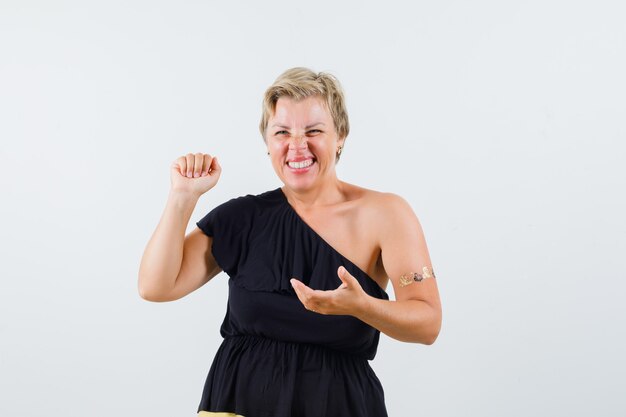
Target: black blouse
x=277 y=358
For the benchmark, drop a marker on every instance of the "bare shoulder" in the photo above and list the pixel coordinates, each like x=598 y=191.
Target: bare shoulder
x=381 y=205
x=386 y=213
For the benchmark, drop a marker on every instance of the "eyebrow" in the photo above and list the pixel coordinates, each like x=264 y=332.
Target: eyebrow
x=307 y=127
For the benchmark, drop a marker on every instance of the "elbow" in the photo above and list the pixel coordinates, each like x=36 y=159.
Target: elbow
x=431 y=335
x=427 y=338
x=150 y=294
x=145 y=294
x=430 y=339
x=424 y=330
x=435 y=332
x=421 y=337
x=143 y=289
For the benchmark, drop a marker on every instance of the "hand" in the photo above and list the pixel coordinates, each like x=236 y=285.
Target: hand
x=349 y=298
x=195 y=174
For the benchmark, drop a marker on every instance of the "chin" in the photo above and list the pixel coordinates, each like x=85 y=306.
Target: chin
x=299 y=182
x=298 y=185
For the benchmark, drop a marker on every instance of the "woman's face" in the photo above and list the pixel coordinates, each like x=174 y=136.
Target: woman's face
x=302 y=142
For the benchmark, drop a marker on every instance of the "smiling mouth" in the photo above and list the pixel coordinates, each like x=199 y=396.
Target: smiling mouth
x=301 y=164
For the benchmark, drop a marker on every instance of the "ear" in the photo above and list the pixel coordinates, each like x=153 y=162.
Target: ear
x=340 y=143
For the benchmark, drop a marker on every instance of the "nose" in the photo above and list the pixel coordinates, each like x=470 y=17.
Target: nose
x=298 y=141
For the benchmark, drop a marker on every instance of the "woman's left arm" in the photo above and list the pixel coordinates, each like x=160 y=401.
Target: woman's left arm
x=415 y=315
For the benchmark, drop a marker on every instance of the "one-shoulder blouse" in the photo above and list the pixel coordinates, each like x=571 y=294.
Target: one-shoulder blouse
x=278 y=359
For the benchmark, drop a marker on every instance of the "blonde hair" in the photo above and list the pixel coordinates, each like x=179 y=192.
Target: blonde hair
x=299 y=83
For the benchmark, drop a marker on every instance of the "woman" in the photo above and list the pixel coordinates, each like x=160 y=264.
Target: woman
x=308 y=264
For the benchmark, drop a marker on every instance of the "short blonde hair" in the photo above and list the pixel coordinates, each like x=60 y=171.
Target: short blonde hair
x=299 y=83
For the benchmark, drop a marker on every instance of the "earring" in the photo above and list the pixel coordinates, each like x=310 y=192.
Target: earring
x=339 y=149
x=268 y=152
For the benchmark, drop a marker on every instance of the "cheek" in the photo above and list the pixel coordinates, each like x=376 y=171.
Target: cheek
x=277 y=155
x=277 y=146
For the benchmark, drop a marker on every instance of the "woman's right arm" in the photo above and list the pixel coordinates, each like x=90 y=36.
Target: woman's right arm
x=174 y=265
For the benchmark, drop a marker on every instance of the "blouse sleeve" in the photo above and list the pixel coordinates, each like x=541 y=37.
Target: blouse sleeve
x=223 y=225
x=206 y=223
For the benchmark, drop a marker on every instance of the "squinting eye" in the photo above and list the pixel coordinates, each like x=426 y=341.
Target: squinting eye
x=314 y=131
x=280 y=132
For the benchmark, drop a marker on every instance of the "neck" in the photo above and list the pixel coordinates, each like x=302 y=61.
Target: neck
x=328 y=194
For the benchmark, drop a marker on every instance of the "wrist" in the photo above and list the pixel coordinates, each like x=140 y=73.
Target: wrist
x=364 y=306
x=181 y=198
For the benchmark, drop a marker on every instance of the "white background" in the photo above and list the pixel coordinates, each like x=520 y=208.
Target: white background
x=502 y=124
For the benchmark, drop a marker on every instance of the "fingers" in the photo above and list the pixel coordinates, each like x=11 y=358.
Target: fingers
x=305 y=295
x=179 y=165
x=215 y=166
x=196 y=165
x=345 y=299
x=189 y=163
x=341 y=270
x=345 y=277
x=206 y=163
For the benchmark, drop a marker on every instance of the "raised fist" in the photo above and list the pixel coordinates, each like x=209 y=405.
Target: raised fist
x=195 y=173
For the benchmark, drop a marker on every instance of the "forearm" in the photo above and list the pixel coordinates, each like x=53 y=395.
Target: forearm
x=163 y=255
x=408 y=321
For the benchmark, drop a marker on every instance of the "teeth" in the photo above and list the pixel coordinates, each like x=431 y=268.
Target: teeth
x=301 y=164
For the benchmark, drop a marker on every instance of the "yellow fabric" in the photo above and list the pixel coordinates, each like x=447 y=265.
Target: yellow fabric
x=212 y=414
